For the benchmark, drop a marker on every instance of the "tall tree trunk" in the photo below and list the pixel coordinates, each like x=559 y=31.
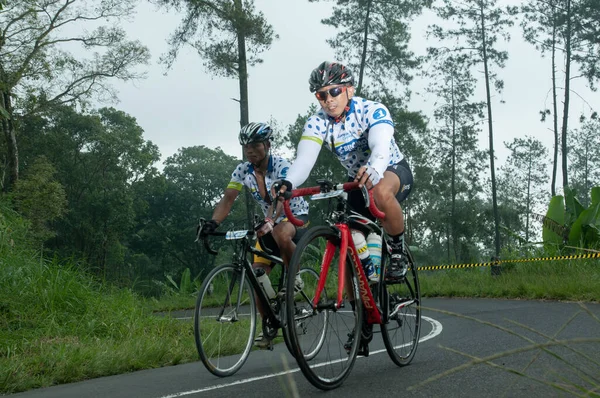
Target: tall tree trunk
x=491 y=132
x=528 y=203
x=448 y=239
x=554 y=104
x=12 y=151
x=244 y=109
x=363 y=58
x=567 y=96
x=243 y=69
x=453 y=181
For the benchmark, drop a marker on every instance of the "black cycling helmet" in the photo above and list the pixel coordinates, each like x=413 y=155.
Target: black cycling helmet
x=329 y=73
x=255 y=132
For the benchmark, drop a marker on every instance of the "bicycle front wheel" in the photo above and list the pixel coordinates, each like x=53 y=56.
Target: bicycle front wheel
x=305 y=321
x=402 y=324
x=326 y=351
x=225 y=320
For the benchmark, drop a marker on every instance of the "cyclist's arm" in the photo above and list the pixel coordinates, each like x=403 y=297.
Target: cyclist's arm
x=380 y=136
x=306 y=157
x=224 y=206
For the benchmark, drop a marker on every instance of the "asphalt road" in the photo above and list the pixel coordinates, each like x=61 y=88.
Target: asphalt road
x=448 y=344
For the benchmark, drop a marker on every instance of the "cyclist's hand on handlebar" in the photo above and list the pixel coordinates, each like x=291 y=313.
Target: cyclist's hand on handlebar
x=207 y=228
x=282 y=189
x=264 y=227
x=367 y=176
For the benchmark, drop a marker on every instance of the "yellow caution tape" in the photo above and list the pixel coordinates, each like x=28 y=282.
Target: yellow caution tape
x=497 y=262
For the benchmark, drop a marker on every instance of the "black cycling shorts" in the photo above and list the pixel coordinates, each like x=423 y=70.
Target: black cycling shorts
x=402 y=170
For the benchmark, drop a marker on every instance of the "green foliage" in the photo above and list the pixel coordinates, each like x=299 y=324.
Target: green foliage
x=42 y=72
x=521 y=184
x=195 y=179
x=186 y=285
x=582 y=224
x=101 y=159
x=585 y=231
x=556 y=213
x=4 y=113
x=59 y=325
x=458 y=161
x=584 y=158
x=14 y=229
x=479 y=26
x=40 y=198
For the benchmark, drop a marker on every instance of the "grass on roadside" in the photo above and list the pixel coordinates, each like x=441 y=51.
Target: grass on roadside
x=58 y=325
x=574 y=280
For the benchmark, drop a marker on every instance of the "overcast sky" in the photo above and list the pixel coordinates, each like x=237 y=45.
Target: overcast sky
x=190 y=107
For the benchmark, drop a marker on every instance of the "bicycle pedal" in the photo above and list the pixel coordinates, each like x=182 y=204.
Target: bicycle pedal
x=363 y=350
x=262 y=344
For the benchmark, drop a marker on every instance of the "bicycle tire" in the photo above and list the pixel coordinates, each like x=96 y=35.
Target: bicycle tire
x=321 y=369
x=401 y=331
x=225 y=345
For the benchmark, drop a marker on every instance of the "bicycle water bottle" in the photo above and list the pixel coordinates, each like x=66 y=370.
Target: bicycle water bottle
x=264 y=282
x=374 y=245
x=363 y=253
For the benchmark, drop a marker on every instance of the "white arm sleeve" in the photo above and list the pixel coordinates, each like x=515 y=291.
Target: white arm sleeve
x=306 y=157
x=380 y=136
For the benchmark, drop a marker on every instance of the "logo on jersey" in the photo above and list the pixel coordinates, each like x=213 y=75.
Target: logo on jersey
x=283 y=172
x=379 y=113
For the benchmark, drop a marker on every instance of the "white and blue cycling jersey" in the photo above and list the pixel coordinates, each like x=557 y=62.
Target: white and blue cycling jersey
x=276 y=170
x=363 y=137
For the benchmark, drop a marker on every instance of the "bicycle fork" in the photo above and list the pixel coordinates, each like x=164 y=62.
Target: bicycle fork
x=373 y=315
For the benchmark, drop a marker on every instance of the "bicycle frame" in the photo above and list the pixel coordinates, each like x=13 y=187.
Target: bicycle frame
x=246 y=267
x=347 y=244
x=373 y=314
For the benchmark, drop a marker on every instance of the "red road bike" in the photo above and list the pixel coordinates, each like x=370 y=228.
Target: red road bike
x=352 y=306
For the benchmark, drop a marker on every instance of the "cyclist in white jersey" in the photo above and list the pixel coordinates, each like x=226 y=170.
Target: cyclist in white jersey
x=258 y=175
x=360 y=133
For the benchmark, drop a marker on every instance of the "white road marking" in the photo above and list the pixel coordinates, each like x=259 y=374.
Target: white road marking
x=436 y=329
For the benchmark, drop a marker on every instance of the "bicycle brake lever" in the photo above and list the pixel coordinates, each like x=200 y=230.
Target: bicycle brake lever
x=365 y=193
x=201 y=222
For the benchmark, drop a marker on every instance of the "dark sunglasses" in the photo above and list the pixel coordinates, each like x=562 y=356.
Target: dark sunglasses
x=334 y=92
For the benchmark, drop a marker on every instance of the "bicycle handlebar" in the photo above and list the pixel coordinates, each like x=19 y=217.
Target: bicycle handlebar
x=204 y=238
x=348 y=186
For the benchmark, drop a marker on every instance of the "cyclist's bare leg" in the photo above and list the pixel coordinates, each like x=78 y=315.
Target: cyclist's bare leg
x=384 y=194
x=283 y=233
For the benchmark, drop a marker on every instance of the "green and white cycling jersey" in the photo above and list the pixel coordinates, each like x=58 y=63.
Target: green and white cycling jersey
x=276 y=170
x=363 y=137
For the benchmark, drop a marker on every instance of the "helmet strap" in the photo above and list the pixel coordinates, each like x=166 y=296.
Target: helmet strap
x=346 y=109
x=343 y=115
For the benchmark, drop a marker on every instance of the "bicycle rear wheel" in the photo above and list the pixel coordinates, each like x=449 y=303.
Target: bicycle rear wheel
x=225 y=320
x=402 y=322
x=325 y=356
